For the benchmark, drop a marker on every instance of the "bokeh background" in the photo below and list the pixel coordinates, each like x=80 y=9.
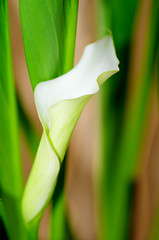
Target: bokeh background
x=113 y=128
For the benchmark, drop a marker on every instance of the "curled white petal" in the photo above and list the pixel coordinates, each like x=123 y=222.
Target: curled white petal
x=59 y=104
x=84 y=79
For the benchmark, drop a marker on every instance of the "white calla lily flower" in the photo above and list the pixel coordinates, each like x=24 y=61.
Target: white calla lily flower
x=59 y=103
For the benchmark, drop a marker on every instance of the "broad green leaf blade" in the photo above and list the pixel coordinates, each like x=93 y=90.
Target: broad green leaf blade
x=59 y=104
x=49 y=30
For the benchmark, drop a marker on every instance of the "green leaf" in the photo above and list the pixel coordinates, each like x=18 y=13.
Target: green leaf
x=10 y=161
x=11 y=174
x=49 y=30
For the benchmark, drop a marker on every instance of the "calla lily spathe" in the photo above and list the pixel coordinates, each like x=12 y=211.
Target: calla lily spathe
x=59 y=103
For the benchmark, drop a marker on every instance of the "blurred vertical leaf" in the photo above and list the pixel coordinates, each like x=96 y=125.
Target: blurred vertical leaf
x=135 y=117
x=154 y=229
x=10 y=162
x=123 y=120
x=118 y=16
x=59 y=221
x=49 y=32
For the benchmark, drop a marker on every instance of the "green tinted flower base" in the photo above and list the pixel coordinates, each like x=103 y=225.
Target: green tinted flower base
x=59 y=103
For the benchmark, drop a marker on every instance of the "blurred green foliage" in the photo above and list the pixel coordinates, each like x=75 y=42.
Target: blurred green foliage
x=124 y=117
x=49 y=31
x=10 y=162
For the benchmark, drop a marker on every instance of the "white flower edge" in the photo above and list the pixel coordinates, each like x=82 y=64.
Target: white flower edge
x=59 y=103
x=97 y=64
